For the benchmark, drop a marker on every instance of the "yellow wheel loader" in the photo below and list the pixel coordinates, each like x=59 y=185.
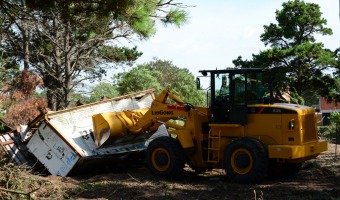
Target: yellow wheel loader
x=242 y=130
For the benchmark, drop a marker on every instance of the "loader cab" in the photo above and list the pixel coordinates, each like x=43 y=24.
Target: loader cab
x=232 y=90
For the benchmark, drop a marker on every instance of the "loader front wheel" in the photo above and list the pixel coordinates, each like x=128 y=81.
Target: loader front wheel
x=245 y=160
x=165 y=157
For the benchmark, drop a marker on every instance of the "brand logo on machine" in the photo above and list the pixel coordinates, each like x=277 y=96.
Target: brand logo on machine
x=162 y=112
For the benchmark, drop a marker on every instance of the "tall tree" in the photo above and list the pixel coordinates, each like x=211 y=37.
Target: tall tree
x=67 y=42
x=294 y=53
x=160 y=74
x=9 y=68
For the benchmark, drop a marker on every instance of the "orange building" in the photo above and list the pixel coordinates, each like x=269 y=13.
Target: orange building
x=327 y=108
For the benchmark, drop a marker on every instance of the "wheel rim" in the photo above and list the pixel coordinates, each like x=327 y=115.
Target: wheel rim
x=242 y=161
x=161 y=159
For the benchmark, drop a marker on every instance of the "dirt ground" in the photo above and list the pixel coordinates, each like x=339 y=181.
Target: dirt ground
x=318 y=179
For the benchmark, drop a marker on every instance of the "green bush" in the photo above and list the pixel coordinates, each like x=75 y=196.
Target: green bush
x=322 y=130
x=333 y=130
x=335 y=118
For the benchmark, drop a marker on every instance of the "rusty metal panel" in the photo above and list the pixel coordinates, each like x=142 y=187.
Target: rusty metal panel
x=12 y=148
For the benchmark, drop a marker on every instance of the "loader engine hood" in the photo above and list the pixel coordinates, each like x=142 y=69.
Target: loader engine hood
x=283 y=108
x=299 y=109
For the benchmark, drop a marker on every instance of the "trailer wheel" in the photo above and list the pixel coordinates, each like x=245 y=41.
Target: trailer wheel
x=245 y=160
x=165 y=157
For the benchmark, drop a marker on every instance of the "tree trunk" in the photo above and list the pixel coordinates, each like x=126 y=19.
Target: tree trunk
x=51 y=100
x=53 y=78
x=67 y=83
x=26 y=39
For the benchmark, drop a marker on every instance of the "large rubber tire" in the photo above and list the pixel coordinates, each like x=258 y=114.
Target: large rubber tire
x=165 y=157
x=246 y=160
x=285 y=171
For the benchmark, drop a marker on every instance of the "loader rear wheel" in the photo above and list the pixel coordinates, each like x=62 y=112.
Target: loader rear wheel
x=165 y=157
x=245 y=160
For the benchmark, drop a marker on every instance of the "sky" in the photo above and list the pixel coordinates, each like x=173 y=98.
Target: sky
x=218 y=31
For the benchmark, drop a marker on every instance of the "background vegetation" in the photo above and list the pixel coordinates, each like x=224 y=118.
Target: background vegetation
x=48 y=49
x=295 y=56
x=60 y=48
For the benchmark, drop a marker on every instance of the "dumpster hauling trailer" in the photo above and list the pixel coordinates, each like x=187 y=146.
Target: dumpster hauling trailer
x=64 y=138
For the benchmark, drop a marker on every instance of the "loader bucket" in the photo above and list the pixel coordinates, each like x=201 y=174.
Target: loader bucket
x=114 y=125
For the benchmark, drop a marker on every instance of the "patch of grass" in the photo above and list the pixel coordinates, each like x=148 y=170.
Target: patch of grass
x=101 y=188
x=92 y=186
x=167 y=192
x=19 y=182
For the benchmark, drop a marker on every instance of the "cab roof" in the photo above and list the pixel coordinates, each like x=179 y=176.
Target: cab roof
x=233 y=70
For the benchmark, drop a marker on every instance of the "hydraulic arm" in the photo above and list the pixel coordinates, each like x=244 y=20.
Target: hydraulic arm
x=116 y=125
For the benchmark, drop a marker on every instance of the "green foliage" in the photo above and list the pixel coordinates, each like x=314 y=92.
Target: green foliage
x=2 y=126
x=294 y=54
x=176 y=16
x=331 y=131
x=337 y=55
x=335 y=117
x=103 y=90
x=296 y=98
x=68 y=42
x=160 y=74
x=79 y=99
x=310 y=96
x=9 y=68
x=297 y=23
x=120 y=54
x=139 y=15
x=138 y=79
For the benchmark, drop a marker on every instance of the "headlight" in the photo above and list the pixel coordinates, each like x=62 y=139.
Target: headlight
x=291 y=124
